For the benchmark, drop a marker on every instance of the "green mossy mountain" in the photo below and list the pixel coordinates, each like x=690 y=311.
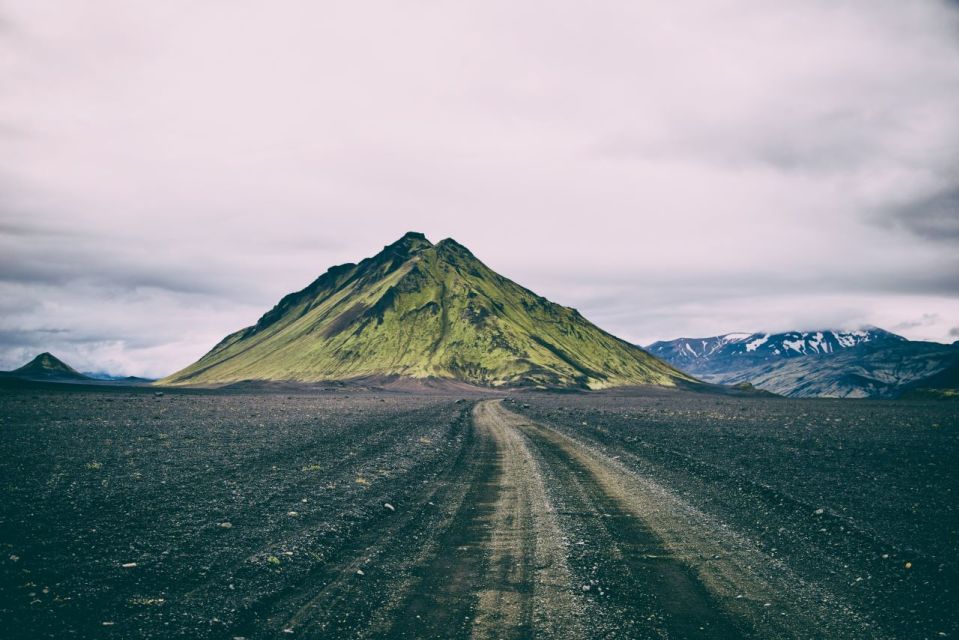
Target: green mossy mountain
x=47 y=366
x=420 y=310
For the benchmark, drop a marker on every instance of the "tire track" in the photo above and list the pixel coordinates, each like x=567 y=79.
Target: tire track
x=536 y=535
x=702 y=579
x=499 y=570
x=528 y=592
x=635 y=587
x=338 y=608
x=439 y=600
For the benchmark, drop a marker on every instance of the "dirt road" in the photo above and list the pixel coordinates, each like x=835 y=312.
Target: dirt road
x=542 y=536
x=630 y=559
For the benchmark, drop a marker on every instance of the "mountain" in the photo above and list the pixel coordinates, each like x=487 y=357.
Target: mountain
x=419 y=310
x=854 y=364
x=734 y=352
x=871 y=370
x=46 y=366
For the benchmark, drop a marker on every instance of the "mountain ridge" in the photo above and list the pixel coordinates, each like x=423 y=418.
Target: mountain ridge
x=868 y=362
x=864 y=371
x=718 y=354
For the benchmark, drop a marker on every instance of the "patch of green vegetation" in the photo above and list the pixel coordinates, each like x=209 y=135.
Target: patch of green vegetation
x=933 y=394
x=421 y=310
x=311 y=468
x=94 y=466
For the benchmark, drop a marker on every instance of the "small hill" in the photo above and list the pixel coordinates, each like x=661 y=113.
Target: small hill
x=46 y=366
x=419 y=310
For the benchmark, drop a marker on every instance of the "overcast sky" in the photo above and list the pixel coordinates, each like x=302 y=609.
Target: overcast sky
x=169 y=170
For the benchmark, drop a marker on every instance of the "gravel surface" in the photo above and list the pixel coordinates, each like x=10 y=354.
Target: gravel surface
x=856 y=498
x=371 y=515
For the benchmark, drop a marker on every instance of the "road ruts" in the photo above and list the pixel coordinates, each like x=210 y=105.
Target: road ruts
x=480 y=557
x=364 y=595
x=666 y=569
x=529 y=533
x=499 y=570
x=628 y=585
x=528 y=590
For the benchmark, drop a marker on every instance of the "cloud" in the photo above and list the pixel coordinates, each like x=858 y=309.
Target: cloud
x=934 y=217
x=924 y=321
x=666 y=168
x=954 y=332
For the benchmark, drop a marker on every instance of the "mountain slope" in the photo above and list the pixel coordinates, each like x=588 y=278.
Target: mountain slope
x=942 y=385
x=46 y=366
x=734 y=352
x=422 y=310
x=878 y=370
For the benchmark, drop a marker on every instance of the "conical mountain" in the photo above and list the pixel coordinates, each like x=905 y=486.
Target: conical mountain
x=425 y=311
x=47 y=366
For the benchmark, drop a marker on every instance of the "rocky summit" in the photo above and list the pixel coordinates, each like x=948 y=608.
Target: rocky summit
x=423 y=310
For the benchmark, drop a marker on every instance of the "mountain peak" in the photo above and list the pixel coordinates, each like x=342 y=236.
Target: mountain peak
x=47 y=360
x=451 y=249
x=411 y=242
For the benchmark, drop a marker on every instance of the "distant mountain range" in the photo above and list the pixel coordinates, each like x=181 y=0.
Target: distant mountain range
x=735 y=351
x=424 y=311
x=869 y=362
x=105 y=376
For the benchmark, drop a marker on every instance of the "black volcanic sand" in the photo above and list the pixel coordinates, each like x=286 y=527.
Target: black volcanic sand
x=258 y=514
x=844 y=492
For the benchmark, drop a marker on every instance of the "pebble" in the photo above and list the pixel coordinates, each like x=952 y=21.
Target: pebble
x=359 y=572
x=226 y=525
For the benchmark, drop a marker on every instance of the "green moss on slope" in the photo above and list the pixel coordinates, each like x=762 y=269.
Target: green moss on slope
x=423 y=310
